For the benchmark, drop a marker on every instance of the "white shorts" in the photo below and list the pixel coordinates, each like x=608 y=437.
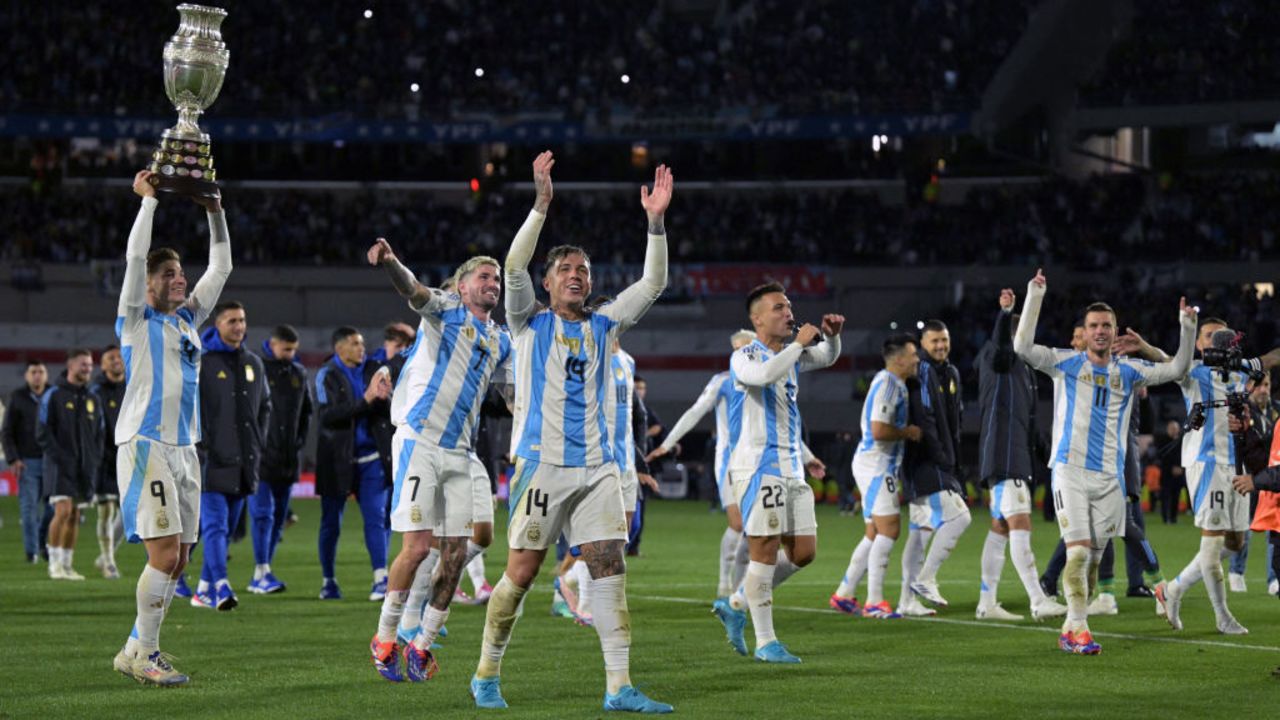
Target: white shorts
x=433 y=488
x=584 y=503
x=773 y=505
x=630 y=489
x=1214 y=502
x=931 y=511
x=727 y=498
x=481 y=492
x=1090 y=504
x=1009 y=498
x=160 y=485
x=879 y=492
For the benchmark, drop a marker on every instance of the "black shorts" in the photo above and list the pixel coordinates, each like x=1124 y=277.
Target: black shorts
x=105 y=488
x=57 y=484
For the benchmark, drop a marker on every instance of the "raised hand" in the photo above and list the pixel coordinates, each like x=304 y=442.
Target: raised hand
x=380 y=252
x=142 y=184
x=542 y=180
x=1039 y=280
x=1190 y=311
x=1007 y=299
x=832 y=325
x=212 y=204
x=655 y=203
x=807 y=334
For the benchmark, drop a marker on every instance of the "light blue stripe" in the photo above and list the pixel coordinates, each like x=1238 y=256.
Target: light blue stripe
x=793 y=435
x=421 y=410
x=1202 y=489
x=408 y=354
x=935 y=503
x=467 y=408
x=1071 y=369
x=190 y=399
x=769 y=458
x=1098 y=416
x=154 y=416
x=867 y=440
x=524 y=473
x=543 y=328
x=601 y=326
x=402 y=468
x=997 y=496
x=1123 y=418
x=129 y=510
x=620 y=420
x=873 y=491
x=749 y=497
x=575 y=405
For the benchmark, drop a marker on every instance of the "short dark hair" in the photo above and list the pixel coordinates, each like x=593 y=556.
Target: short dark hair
x=639 y=379
x=559 y=252
x=1100 y=307
x=1214 y=321
x=76 y=352
x=760 y=291
x=285 y=333
x=34 y=363
x=159 y=256
x=225 y=306
x=933 y=325
x=110 y=348
x=393 y=331
x=896 y=343
x=343 y=332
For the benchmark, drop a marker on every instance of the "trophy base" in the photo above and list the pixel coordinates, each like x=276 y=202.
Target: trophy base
x=189 y=186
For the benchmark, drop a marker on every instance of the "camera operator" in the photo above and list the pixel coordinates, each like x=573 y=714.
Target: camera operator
x=1253 y=445
x=1213 y=389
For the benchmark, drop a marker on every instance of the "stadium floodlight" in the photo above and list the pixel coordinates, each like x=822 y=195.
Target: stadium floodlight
x=625 y=79
x=479 y=72
x=414 y=87
x=368 y=14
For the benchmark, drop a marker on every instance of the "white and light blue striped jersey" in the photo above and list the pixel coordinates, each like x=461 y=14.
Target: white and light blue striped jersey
x=161 y=356
x=1211 y=443
x=719 y=395
x=1092 y=405
x=447 y=372
x=768 y=415
x=618 y=410
x=886 y=403
x=562 y=374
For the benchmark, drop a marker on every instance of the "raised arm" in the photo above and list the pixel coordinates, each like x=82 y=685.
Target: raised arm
x=635 y=301
x=825 y=353
x=1002 y=361
x=209 y=287
x=133 y=290
x=749 y=370
x=705 y=403
x=1037 y=356
x=420 y=297
x=519 y=299
x=1156 y=373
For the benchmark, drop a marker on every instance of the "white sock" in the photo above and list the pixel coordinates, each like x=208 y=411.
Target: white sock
x=392 y=609
x=150 y=598
x=260 y=570
x=728 y=551
x=67 y=555
x=1095 y=560
x=1076 y=581
x=202 y=586
x=107 y=513
x=585 y=585
x=419 y=592
x=475 y=565
x=784 y=568
x=741 y=558
x=857 y=568
x=944 y=542
x=1210 y=558
x=1024 y=561
x=500 y=617
x=613 y=625
x=876 y=566
x=912 y=559
x=431 y=624
x=992 y=567
x=759 y=591
x=1192 y=573
x=379 y=575
x=55 y=556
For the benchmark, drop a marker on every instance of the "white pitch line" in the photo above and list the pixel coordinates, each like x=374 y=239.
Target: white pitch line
x=1005 y=626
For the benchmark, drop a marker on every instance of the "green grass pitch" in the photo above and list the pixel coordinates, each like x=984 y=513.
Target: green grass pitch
x=293 y=656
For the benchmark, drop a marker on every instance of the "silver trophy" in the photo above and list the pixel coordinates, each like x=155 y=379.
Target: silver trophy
x=195 y=61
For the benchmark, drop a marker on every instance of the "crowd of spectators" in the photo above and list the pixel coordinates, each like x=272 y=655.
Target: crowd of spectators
x=1088 y=225
x=1193 y=51
x=489 y=56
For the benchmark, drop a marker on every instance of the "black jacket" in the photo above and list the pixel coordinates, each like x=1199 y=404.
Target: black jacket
x=71 y=433
x=338 y=408
x=928 y=465
x=640 y=434
x=235 y=412
x=18 y=434
x=942 y=381
x=290 y=419
x=112 y=395
x=1254 y=449
x=1007 y=393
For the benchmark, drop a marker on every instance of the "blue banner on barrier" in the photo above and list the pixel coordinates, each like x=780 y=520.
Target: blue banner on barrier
x=337 y=128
